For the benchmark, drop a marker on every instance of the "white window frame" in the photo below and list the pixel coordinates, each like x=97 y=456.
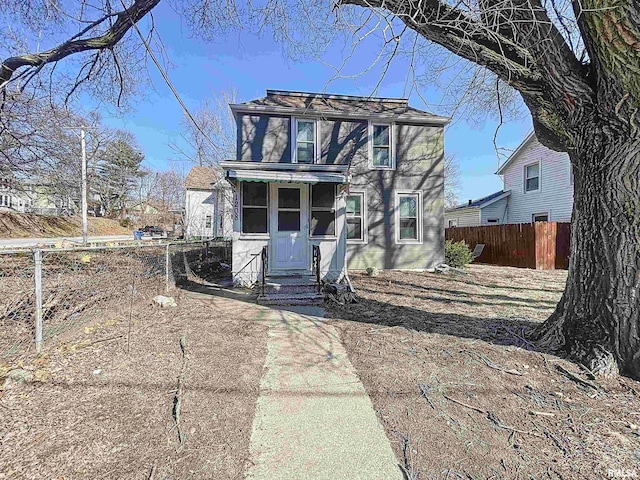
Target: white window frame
x=392 y=146
x=455 y=220
x=363 y=214
x=294 y=139
x=526 y=178
x=419 y=213
x=534 y=215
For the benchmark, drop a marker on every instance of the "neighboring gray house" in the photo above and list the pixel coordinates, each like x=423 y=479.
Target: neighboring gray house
x=538 y=186
x=361 y=178
x=207 y=212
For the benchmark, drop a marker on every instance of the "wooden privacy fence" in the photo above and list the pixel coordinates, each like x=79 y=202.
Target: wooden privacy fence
x=540 y=245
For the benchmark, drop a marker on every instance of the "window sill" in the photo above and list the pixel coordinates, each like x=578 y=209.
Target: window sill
x=323 y=237
x=253 y=236
x=531 y=191
x=409 y=242
x=371 y=167
x=357 y=242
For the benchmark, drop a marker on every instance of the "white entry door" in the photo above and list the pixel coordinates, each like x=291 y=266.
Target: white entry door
x=289 y=227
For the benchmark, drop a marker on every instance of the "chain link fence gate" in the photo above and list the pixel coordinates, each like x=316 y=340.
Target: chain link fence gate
x=47 y=292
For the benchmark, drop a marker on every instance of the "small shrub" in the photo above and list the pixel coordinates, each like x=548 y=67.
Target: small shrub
x=125 y=222
x=457 y=254
x=372 y=272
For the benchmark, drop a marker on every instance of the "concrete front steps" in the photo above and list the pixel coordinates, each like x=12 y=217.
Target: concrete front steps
x=290 y=290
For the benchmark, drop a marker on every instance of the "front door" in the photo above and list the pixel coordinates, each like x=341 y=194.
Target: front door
x=289 y=226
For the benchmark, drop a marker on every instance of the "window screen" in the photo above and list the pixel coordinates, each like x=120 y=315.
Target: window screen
x=254 y=207
x=323 y=211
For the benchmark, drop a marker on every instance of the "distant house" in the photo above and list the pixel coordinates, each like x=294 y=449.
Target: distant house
x=490 y=210
x=538 y=187
x=14 y=196
x=207 y=212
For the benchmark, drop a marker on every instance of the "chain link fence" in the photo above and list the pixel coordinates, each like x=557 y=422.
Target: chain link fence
x=45 y=293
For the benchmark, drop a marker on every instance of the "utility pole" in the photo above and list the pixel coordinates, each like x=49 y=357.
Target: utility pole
x=84 y=186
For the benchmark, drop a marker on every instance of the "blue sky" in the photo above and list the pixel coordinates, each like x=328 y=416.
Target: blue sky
x=250 y=64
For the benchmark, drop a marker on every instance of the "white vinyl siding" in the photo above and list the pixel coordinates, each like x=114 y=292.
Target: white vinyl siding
x=497 y=210
x=466 y=217
x=556 y=191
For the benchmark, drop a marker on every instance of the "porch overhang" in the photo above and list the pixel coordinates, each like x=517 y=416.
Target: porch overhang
x=287 y=177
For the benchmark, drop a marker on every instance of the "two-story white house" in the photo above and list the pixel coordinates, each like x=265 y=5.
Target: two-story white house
x=538 y=187
x=207 y=212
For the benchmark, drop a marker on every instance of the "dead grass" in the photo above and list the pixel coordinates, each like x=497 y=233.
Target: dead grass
x=462 y=394
x=28 y=225
x=96 y=411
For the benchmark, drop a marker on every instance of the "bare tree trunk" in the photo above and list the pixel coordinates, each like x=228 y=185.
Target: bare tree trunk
x=597 y=321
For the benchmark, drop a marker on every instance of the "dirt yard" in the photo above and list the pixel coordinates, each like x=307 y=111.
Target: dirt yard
x=28 y=225
x=98 y=407
x=461 y=392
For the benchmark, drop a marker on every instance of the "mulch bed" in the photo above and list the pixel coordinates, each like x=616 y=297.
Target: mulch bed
x=462 y=393
x=103 y=407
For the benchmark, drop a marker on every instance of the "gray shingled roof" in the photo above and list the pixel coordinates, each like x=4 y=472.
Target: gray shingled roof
x=321 y=103
x=479 y=202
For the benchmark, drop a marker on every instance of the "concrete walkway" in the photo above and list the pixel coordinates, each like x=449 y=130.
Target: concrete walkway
x=314 y=419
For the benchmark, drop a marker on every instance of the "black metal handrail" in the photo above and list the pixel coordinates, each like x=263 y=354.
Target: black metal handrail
x=316 y=263
x=264 y=256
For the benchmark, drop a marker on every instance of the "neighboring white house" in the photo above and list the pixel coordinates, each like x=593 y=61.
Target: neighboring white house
x=490 y=210
x=538 y=187
x=207 y=211
x=13 y=195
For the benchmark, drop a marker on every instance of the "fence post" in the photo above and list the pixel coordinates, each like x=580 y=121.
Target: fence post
x=37 y=256
x=166 y=268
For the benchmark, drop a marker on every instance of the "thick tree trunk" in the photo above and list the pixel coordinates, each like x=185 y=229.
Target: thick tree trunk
x=597 y=321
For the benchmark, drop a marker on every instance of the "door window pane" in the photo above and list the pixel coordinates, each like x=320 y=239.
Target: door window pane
x=289 y=198
x=288 y=221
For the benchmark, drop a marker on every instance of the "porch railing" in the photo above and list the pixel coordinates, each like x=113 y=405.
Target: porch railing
x=316 y=263
x=264 y=257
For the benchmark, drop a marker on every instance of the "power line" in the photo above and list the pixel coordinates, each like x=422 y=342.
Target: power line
x=170 y=85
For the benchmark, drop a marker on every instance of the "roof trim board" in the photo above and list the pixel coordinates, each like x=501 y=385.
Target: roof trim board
x=516 y=152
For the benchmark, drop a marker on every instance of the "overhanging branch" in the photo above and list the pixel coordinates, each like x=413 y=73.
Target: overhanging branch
x=76 y=44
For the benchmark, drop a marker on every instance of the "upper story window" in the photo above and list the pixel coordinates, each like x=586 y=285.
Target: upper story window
x=380 y=148
x=305 y=150
x=532 y=177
